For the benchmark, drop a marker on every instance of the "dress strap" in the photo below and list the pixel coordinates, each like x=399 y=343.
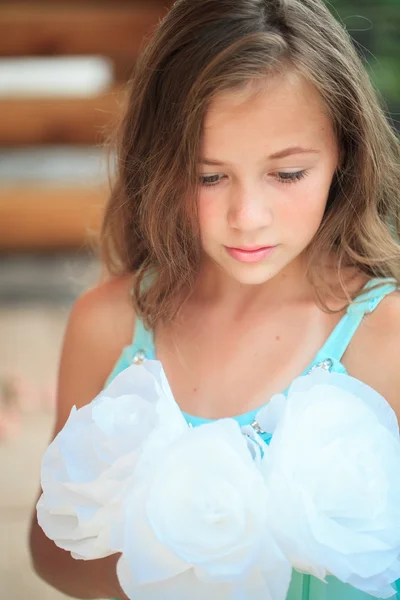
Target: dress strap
x=143 y=342
x=143 y=339
x=341 y=336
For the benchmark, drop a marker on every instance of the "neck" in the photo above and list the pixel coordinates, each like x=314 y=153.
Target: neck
x=216 y=287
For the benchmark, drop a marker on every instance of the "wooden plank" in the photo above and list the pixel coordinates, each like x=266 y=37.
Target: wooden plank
x=97 y=3
x=25 y=3
x=122 y=68
x=36 y=121
x=58 y=29
x=36 y=217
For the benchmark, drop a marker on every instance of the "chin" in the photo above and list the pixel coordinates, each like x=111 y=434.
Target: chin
x=252 y=274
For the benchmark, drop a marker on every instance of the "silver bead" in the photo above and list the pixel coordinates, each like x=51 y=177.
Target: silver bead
x=257 y=427
x=139 y=357
x=326 y=365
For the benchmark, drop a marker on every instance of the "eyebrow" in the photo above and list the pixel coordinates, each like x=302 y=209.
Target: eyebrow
x=281 y=154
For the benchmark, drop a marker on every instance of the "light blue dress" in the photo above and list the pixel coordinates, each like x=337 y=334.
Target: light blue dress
x=303 y=587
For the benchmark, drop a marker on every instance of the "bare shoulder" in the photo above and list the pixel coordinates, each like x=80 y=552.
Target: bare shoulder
x=374 y=355
x=100 y=324
x=106 y=308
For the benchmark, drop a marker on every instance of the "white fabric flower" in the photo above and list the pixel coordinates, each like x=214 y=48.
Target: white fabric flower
x=201 y=518
x=333 y=475
x=89 y=465
x=186 y=586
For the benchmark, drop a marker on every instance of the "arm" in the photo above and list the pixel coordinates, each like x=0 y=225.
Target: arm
x=100 y=324
x=373 y=355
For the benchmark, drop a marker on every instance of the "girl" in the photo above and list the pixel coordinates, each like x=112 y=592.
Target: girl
x=251 y=233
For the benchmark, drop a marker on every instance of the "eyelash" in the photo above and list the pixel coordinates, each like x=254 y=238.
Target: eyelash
x=293 y=178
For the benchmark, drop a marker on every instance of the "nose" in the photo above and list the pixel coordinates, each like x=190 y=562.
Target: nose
x=249 y=207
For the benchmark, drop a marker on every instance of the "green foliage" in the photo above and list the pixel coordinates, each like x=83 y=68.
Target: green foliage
x=374 y=26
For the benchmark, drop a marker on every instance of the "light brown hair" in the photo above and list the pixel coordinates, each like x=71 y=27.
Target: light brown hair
x=203 y=47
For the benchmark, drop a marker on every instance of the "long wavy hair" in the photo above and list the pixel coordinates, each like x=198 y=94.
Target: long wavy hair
x=201 y=48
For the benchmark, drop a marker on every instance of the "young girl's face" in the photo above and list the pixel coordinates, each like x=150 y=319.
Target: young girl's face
x=266 y=166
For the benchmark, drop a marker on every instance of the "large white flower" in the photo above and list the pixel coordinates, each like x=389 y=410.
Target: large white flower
x=333 y=476
x=89 y=465
x=198 y=526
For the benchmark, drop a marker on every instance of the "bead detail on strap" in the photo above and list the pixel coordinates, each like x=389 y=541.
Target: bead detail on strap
x=326 y=364
x=257 y=427
x=139 y=357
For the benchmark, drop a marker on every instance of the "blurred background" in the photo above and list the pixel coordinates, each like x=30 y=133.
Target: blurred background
x=63 y=66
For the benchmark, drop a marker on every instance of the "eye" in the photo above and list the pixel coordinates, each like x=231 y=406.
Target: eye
x=282 y=177
x=290 y=177
x=209 y=180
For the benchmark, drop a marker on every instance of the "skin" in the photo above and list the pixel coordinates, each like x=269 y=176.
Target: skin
x=257 y=201
x=248 y=329
x=207 y=359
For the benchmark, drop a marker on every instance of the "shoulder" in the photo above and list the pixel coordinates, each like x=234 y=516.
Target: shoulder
x=103 y=318
x=374 y=355
x=100 y=324
x=106 y=308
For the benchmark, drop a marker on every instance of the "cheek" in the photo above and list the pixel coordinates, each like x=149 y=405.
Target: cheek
x=210 y=212
x=303 y=213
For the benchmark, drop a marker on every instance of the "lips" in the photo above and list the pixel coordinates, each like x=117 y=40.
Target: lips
x=250 y=249
x=251 y=254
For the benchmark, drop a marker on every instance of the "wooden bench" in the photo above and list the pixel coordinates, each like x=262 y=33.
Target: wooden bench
x=53 y=215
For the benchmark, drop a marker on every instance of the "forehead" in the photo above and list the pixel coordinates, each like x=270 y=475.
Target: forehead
x=286 y=109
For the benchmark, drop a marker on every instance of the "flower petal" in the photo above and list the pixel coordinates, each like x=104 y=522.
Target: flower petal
x=187 y=586
x=147 y=558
